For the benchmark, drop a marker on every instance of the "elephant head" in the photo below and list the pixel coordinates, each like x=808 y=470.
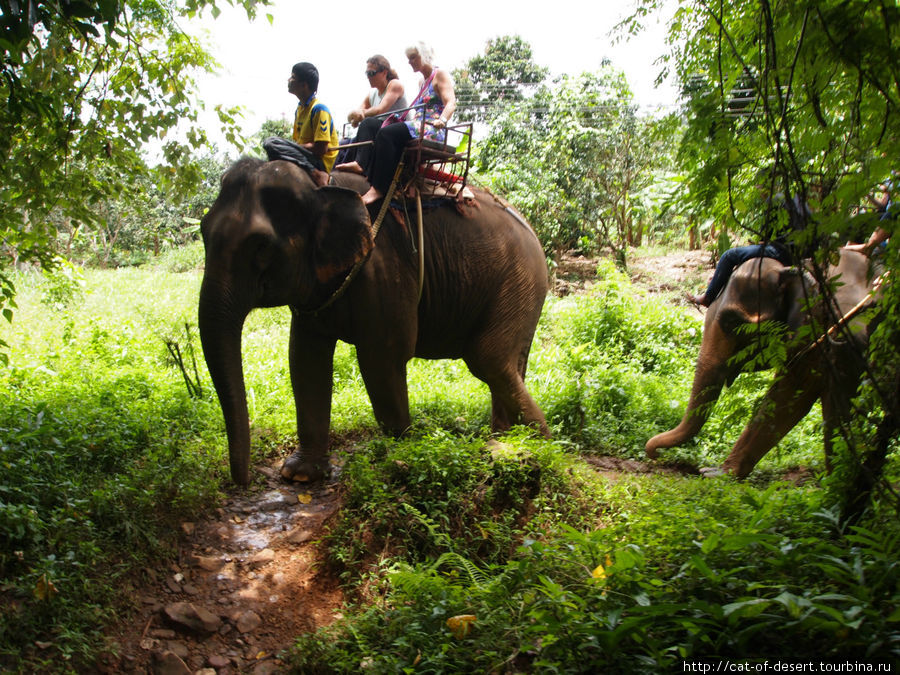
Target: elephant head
x=760 y=290
x=271 y=238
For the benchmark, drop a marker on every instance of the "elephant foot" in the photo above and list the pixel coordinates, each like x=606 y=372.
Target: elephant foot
x=302 y=469
x=712 y=471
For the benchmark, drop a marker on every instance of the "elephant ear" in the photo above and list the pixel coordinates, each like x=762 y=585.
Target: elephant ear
x=287 y=196
x=795 y=286
x=343 y=233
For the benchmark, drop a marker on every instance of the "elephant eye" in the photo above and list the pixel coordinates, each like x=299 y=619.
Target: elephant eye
x=730 y=321
x=257 y=249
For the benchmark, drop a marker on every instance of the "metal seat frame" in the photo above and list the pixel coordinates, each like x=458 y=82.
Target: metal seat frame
x=436 y=162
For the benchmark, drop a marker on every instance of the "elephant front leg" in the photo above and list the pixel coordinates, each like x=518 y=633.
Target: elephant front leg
x=709 y=378
x=384 y=374
x=784 y=405
x=311 y=364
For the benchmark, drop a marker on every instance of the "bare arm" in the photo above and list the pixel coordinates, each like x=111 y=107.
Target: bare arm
x=882 y=203
x=319 y=148
x=358 y=115
x=878 y=236
x=443 y=85
x=391 y=94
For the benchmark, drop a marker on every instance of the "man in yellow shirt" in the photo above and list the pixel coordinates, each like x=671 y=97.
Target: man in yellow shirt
x=313 y=125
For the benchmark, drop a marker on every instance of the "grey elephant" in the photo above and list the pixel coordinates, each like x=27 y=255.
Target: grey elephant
x=273 y=238
x=823 y=367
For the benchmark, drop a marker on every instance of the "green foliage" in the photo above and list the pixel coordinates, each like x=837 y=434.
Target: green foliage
x=187 y=258
x=440 y=523
x=440 y=494
x=574 y=158
x=616 y=355
x=84 y=88
x=796 y=103
x=681 y=570
x=281 y=128
x=150 y=216
x=102 y=451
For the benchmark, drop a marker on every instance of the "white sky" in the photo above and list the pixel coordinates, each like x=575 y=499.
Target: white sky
x=568 y=36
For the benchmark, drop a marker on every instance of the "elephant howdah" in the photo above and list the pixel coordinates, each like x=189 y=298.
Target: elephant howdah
x=762 y=290
x=273 y=238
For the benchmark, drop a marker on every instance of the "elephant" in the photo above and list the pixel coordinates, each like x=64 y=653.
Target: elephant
x=818 y=367
x=273 y=238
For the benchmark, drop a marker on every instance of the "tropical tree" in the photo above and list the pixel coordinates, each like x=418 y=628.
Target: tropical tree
x=801 y=99
x=503 y=74
x=576 y=157
x=85 y=87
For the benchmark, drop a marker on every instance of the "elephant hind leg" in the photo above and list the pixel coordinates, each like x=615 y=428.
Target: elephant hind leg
x=510 y=401
x=783 y=406
x=836 y=408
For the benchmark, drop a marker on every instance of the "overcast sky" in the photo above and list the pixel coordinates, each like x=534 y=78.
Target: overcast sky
x=568 y=36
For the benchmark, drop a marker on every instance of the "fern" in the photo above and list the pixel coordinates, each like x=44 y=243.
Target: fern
x=440 y=539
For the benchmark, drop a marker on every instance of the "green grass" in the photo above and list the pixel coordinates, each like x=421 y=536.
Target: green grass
x=668 y=570
x=103 y=452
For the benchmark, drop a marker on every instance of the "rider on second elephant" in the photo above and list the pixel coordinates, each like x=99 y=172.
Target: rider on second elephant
x=777 y=242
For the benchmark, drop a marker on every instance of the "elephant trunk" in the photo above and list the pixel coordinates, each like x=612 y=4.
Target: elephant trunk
x=220 y=334
x=709 y=378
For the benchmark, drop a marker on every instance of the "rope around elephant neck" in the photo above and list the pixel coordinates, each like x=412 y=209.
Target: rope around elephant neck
x=865 y=303
x=421 y=246
x=376 y=226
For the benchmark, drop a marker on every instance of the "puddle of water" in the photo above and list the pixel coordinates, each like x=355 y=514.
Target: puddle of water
x=258 y=528
x=243 y=538
x=271 y=514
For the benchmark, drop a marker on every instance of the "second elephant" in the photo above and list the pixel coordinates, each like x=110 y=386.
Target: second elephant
x=763 y=290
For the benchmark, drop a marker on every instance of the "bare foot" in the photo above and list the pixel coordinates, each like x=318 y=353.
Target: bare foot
x=371 y=196
x=351 y=167
x=697 y=299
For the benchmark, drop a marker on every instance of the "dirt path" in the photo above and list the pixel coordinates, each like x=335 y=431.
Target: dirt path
x=656 y=274
x=249 y=580
x=246 y=584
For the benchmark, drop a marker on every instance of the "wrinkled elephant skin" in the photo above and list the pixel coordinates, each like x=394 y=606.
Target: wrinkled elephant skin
x=762 y=290
x=272 y=238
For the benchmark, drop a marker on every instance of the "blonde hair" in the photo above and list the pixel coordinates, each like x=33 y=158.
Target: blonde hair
x=422 y=50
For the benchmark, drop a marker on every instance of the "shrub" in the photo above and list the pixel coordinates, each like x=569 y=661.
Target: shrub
x=682 y=570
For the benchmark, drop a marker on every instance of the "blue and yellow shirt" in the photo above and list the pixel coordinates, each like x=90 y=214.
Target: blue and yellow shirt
x=312 y=123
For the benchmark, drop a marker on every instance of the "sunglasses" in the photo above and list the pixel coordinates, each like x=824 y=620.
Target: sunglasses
x=373 y=73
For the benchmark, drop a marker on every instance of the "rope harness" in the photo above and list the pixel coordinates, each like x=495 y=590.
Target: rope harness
x=867 y=302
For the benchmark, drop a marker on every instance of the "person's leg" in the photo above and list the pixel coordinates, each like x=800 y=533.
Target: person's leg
x=390 y=143
x=368 y=130
x=777 y=252
x=359 y=158
x=345 y=155
x=727 y=262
